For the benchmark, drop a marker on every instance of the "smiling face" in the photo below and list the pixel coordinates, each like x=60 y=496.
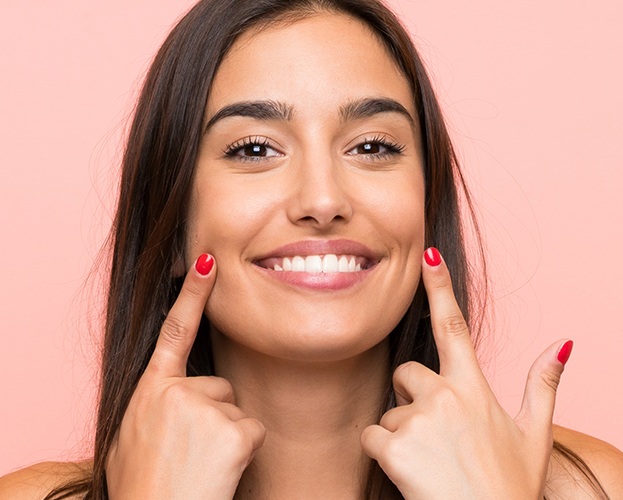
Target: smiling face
x=309 y=191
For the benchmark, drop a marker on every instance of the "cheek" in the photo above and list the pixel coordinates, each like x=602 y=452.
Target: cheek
x=223 y=215
x=398 y=208
x=404 y=226
x=225 y=219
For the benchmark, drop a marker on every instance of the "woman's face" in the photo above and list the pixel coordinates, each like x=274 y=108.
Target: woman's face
x=309 y=191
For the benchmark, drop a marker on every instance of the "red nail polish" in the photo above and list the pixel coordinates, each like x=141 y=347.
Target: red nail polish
x=204 y=264
x=432 y=257
x=565 y=352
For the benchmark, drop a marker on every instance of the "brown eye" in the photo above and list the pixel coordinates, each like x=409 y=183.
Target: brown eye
x=251 y=149
x=369 y=148
x=255 y=150
x=376 y=148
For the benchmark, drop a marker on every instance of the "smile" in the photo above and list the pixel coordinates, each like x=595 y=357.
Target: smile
x=322 y=265
x=316 y=264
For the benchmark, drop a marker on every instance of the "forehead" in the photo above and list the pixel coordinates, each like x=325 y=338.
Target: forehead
x=319 y=61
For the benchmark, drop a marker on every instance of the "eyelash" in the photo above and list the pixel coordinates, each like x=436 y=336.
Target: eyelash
x=232 y=150
x=393 y=148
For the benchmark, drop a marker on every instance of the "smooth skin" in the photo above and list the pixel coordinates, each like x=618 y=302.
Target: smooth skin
x=397 y=426
x=463 y=447
x=312 y=182
x=173 y=419
x=172 y=349
x=293 y=413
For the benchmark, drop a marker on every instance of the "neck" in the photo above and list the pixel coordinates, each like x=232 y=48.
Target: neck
x=314 y=414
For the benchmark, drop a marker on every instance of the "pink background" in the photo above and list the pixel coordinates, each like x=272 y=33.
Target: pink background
x=532 y=90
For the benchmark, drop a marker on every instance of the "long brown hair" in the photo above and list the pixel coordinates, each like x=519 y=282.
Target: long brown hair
x=148 y=234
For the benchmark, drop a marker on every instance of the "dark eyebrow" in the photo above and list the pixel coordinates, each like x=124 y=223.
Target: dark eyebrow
x=367 y=107
x=260 y=110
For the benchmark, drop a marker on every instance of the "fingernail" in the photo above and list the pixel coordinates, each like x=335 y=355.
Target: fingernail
x=204 y=264
x=565 y=352
x=432 y=257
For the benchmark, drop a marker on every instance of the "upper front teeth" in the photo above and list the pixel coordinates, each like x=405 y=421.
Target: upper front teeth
x=329 y=263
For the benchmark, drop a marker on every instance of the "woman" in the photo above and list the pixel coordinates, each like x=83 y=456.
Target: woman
x=307 y=197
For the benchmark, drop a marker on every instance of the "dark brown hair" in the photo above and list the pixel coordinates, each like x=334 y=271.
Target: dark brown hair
x=148 y=234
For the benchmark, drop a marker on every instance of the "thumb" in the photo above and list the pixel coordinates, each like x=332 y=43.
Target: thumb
x=179 y=329
x=537 y=407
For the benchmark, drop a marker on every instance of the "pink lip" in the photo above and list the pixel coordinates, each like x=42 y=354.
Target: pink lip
x=322 y=247
x=320 y=281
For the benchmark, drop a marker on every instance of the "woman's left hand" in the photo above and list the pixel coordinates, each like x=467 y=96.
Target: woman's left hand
x=449 y=437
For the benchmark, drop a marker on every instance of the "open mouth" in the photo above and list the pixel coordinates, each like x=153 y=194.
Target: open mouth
x=316 y=264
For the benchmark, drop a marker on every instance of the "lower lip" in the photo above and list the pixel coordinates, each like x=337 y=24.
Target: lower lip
x=318 y=281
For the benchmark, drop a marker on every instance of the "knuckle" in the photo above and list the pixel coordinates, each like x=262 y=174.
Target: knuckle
x=454 y=326
x=240 y=442
x=245 y=442
x=385 y=420
x=391 y=450
x=445 y=400
x=404 y=371
x=550 y=380
x=366 y=434
x=392 y=455
x=177 y=395
x=224 y=387
x=390 y=419
x=405 y=378
x=174 y=330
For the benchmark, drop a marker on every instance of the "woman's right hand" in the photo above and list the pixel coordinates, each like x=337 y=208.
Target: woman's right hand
x=182 y=437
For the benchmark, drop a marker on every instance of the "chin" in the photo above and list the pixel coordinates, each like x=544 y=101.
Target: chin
x=303 y=326
x=314 y=341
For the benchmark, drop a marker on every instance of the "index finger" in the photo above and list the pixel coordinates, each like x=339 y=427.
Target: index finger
x=454 y=344
x=179 y=329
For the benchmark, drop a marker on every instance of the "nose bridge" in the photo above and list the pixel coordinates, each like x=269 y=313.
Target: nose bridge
x=321 y=194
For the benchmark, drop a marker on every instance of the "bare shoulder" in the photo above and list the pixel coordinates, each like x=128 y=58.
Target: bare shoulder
x=568 y=481
x=36 y=481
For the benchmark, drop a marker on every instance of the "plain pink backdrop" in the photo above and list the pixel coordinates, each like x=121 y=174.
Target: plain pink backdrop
x=532 y=91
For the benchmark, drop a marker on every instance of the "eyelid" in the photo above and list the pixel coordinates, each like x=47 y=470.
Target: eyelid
x=390 y=148
x=231 y=149
x=393 y=146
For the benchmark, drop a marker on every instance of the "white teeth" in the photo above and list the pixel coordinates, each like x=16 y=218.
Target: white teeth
x=298 y=264
x=315 y=264
x=329 y=264
x=343 y=264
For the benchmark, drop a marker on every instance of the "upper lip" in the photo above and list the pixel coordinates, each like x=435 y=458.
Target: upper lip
x=304 y=248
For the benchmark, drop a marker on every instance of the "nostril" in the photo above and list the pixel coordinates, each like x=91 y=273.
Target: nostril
x=320 y=220
x=319 y=203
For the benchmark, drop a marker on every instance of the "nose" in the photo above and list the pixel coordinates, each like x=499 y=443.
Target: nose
x=321 y=195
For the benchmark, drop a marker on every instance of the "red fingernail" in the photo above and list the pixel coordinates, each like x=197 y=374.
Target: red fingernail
x=565 y=352
x=204 y=264
x=432 y=257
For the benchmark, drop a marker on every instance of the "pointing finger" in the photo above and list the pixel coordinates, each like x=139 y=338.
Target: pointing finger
x=454 y=344
x=179 y=329
x=537 y=407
